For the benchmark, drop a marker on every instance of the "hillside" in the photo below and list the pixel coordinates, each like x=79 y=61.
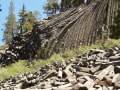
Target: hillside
x=78 y=26
x=70 y=50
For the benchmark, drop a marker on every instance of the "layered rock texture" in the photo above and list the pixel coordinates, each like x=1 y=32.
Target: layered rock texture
x=82 y=25
x=95 y=70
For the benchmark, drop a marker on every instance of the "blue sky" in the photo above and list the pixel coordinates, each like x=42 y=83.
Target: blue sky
x=30 y=5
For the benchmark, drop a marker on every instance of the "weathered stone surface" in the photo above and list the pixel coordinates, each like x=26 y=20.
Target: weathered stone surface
x=102 y=74
x=70 y=76
x=76 y=74
x=60 y=73
x=112 y=58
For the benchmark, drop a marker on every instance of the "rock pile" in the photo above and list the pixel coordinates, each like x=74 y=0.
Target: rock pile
x=24 y=46
x=95 y=70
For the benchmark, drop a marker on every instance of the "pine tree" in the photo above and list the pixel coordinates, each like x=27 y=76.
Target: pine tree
x=10 y=25
x=28 y=24
x=30 y=17
x=51 y=7
x=22 y=20
x=76 y=2
x=26 y=20
x=62 y=5
x=115 y=28
x=66 y=4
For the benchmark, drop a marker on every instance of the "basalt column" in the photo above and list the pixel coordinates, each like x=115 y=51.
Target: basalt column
x=86 y=24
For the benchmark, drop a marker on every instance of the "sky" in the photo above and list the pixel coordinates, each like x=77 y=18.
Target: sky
x=31 y=5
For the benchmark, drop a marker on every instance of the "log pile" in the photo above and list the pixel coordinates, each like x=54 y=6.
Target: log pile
x=95 y=70
x=82 y=25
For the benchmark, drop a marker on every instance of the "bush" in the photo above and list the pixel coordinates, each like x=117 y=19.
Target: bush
x=112 y=42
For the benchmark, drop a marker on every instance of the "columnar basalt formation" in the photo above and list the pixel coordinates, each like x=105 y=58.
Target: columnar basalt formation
x=78 y=26
x=83 y=25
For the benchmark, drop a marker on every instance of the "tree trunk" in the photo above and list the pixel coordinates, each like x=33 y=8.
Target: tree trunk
x=62 y=5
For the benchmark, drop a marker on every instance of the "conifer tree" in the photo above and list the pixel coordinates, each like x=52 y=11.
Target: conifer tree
x=51 y=7
x=115 y=28
x=76 y=2
x=26 y=20
x=10 y=25
x=22 y=20
x=28 y=24
x=62 y=5
x=66 y=4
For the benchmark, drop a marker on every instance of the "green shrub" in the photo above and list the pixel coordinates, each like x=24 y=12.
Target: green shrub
x=112 y=42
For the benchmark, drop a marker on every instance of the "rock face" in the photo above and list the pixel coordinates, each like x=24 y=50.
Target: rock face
x=68 y=30
x=82 y=25
x=95 y=70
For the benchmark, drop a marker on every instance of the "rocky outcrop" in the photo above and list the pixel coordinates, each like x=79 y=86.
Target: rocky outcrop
x=24 y=46
x=84 y=25
x=95 y=70
x=78 y=26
